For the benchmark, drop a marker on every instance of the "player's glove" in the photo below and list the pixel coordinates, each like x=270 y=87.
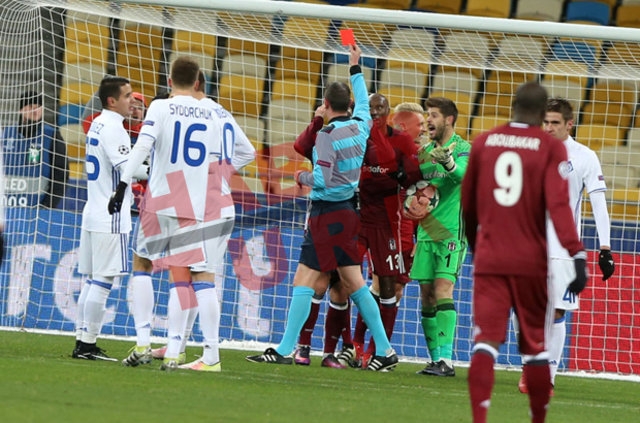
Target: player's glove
x=115 y=202
x=443 y=155
x=606 y=263
x=580 y=282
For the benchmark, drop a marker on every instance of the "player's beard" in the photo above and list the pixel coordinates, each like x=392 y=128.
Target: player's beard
x=439 y=133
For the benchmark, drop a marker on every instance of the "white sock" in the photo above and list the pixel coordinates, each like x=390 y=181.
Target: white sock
x=177 y=317
x=209 y=310
x=555 y=345
x=94 y=309
x=141 y=301
x=82 y=299
x=193 y=313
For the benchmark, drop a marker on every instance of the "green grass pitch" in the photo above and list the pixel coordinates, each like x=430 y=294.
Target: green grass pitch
x=40 y=382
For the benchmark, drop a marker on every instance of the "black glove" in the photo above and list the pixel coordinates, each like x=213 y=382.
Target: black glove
x=580 y=282
x=605 y=261
x=115 y=202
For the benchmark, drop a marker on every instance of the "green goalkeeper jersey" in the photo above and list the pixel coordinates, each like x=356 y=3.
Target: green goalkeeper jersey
x=445 y=221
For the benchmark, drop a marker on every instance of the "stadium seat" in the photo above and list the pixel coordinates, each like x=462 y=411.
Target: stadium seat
x=390 y=4
x=70 y=114
x=138 y=56
x=74 y=137
x=254 y=129
x=77 y=93
x=628 y=15
x=373 y=37
x=633 y=137
x=625 y=203
x=588 y=12
x=200 y=46
x=577 y=51
x=242 y=77
x=620 y=155
x=622 y=53
x=539 y=10
x=617 y=176
x=340 y=72
x=612 y=102
x=567 y=79
x=457 y=80
x=489 y=8
x=461 y=86
x=403 y=81
x=597 y=136
x=415 y=42
x=523 y=56
x=481 y=123
x=466 y=50
x=439 y=6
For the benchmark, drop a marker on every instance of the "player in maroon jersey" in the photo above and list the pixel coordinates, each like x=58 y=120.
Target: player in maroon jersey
x=390 y=160
x=516 y=175
x=382 y=184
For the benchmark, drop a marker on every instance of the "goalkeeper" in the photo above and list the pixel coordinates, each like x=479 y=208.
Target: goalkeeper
x=441 y=245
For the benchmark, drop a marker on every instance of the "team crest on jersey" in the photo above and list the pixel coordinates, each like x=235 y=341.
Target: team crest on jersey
x=392 y=244
x=123 y=149
x=564 y=168
x=451 y=246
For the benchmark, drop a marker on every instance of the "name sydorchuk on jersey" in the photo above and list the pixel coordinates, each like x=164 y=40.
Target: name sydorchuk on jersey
x=190 y=111
x=512 y=141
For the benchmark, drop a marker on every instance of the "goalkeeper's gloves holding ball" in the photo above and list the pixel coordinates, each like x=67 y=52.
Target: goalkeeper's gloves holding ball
x=580 y=282
x=444 y=156
x=606 y=263
x=115 y=202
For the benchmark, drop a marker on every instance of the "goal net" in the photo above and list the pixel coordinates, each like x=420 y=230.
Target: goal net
x=267 y=62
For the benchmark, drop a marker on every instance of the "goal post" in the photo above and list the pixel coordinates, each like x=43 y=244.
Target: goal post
x=268 y=62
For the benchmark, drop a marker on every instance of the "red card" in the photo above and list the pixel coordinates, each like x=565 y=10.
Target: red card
x=347 y=37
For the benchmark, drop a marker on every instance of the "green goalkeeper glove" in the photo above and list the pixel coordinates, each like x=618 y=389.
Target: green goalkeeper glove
x=444 y=156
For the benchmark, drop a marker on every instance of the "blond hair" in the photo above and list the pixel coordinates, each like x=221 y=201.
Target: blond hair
x=408 y=107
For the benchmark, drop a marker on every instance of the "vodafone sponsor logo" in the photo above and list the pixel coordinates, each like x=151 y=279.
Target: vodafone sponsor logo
x=377 y=170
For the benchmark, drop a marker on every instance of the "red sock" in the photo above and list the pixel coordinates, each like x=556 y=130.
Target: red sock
x=388 y=315
x=361 y=328
x=346 y=326
x=332 y=329
x=539 y=383
x=307 y=329
x=481 y=379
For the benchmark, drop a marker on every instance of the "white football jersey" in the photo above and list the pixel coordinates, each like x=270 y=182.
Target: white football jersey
x=178 y=130
x=107 y=150
x=585 y=174
x=230 y=151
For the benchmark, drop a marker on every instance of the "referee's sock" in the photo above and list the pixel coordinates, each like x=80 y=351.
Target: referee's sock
x=298 y=313
x=370 y=312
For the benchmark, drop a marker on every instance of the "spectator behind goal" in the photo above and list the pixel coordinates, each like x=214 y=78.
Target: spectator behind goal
x=35 y=157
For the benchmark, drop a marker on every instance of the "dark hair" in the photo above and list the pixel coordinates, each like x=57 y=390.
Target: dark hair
x=338 y=95
x=530 y=101
x=110 y=87
x=184 y=72
x=562 y=106
x=202 y=82
x=447 y=107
